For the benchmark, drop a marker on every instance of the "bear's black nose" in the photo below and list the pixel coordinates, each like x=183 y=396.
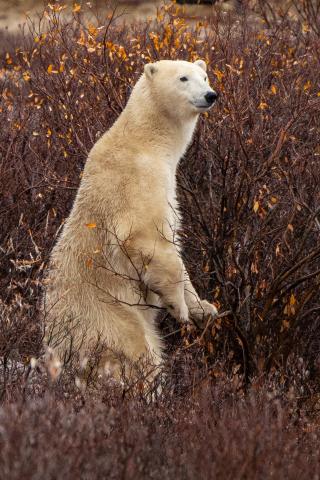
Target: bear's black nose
x=211 y=97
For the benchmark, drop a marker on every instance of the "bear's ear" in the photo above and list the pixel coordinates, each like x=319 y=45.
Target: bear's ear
x=150 y=69
x=201 y=64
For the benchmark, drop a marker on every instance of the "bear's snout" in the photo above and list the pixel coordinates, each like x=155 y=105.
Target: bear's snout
x=211 y=97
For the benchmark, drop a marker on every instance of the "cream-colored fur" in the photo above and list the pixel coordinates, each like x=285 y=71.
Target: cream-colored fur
x=116 y=261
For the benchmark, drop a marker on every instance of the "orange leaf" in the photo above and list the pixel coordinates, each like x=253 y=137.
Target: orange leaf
x=292 y=299
x=91 y=225
x=218 y=74
x=262 y=106
x=89 y=262
x=285 y=324
x=274 y=89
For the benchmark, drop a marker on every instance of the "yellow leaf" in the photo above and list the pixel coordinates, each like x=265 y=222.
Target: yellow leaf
x=256 y=206
x=50 y=68
x=307 y=86
x=56 y=8
x=263 y=106
x=318 y=94
x=289 y=309
x=8 y=59
x=292 y=299
x=92 y=30
x=26 y=76
x=91 y=225
x=274 y=89
x=76 y=7
x=218 y=74
x=274 y=199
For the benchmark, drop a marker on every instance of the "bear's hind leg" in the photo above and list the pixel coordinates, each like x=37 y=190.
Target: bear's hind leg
x=134 y=347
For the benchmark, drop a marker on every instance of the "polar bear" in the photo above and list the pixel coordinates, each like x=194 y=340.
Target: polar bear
x=117 y=261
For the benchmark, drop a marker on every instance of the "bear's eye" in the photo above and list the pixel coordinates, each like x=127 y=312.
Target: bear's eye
x=205 y=79
x=183 y=79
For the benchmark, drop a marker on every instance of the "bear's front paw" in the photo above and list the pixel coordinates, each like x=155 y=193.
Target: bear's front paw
x=201 y=311
x=179 y=312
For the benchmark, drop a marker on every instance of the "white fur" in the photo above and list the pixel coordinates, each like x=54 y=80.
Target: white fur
x=103 y=278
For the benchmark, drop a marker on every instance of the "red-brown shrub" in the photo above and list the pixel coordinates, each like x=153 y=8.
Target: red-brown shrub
x=250 y=202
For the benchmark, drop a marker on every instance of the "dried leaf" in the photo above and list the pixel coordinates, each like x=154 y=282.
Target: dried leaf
x=263 y=106
x=256 y=206
x=292 y=300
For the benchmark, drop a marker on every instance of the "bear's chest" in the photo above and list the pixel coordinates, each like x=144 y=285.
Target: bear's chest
x=172 y=210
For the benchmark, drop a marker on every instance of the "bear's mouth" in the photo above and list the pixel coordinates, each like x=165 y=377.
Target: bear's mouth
x=201 y=106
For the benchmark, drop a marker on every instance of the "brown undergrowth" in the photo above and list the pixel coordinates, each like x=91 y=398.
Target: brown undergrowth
x=240 y=399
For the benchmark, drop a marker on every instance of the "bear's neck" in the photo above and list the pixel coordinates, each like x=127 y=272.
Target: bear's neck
x=167 y=133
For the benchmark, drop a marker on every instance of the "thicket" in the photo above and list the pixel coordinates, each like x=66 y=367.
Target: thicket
x=236 y=394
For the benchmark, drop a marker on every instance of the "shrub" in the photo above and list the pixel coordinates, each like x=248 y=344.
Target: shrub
x=249 y=193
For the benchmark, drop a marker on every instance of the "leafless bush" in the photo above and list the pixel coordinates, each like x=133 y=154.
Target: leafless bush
x=210 y=432
x=248 y=186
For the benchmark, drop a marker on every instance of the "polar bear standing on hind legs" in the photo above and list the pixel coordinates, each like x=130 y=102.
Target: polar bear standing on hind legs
x=116 y=260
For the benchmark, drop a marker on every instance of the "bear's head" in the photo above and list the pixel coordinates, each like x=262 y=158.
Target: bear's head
x=180 y=87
